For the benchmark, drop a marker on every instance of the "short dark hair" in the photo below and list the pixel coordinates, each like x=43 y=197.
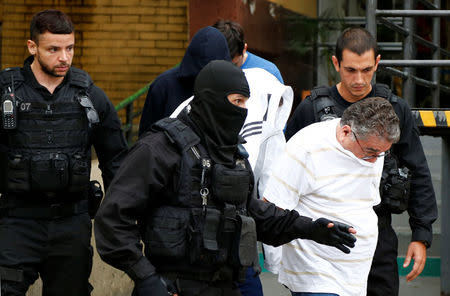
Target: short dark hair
x=372 y=116
x=357 y=40
x=50 y=20
x=234 y=34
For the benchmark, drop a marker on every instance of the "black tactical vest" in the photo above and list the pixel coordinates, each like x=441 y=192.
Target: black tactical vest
x=395 y=179
x=202 y=233
x=325 y=108
x=49 y=152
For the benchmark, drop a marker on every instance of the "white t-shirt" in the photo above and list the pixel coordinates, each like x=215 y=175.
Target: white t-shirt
x=317 y=177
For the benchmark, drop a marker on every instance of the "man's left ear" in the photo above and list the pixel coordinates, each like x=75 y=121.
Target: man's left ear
x=377 y=60
x=346 y=129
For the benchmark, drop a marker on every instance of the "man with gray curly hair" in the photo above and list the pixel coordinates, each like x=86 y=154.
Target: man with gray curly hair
x=372 y=117
x=333 y=169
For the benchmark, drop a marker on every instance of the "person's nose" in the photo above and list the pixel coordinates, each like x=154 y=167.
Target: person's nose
x=63 y=56
x=359 y=77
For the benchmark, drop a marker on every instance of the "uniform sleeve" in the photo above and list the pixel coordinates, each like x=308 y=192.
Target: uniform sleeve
x=153 y=106
x=303 y=116
x=276 y=226
x=107 y=137
x=422 y=206
x=145 y=176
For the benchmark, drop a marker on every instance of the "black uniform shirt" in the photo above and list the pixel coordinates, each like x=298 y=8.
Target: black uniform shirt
x=422 y=206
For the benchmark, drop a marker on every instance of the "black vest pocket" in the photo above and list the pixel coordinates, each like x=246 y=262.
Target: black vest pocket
x=166 y=233
x=49 y=172
x=80 y=169
x=244 y=249
x=17 y=173
x=230 y=185
x=203 y=236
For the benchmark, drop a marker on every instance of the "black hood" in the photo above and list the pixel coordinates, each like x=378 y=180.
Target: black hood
x=219 y=121
x=208 y=44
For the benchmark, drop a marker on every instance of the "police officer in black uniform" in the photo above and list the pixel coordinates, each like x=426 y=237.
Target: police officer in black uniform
x=356 y=61
x=188 y=186
x=51 y=115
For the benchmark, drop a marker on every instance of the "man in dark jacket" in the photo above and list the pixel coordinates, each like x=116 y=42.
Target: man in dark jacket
x=45 y=162
x=356 y=61
x=174 y=86
x=189 y=187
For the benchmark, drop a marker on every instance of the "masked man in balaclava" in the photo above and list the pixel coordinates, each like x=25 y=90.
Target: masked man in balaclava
x=186 y=191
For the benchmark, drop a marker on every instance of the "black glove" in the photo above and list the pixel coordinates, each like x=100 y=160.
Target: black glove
x=154 y=285
x=336 y=236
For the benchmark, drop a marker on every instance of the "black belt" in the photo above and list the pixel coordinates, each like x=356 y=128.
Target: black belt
x=22 y=209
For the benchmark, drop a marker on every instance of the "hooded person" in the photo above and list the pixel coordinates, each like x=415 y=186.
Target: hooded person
x=186 y=191
x=217 y=120
x=175 y=85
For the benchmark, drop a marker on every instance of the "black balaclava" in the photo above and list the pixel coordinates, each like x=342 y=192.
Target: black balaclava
x=219 y=121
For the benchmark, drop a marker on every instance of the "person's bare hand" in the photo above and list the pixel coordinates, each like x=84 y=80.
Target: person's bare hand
x=418 y=252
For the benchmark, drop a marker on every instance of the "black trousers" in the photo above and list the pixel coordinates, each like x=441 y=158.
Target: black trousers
x=383 y=276
x=57 y=250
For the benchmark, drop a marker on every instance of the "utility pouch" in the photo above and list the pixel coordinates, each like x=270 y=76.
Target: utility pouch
x=244 y=248
x=94 y=198
x=394 y=187
x=49 y=172
x=80 y=169
x=230 y=185
x=211 y=227
x=203 y=233
x=17 y=172
x=165 y=234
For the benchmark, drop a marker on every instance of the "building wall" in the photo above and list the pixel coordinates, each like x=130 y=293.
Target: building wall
x=123 y=44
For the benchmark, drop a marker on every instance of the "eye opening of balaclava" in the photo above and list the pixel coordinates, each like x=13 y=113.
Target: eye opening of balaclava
x=219 y=120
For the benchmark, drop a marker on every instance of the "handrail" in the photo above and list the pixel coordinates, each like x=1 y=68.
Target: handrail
x=127 y=103
x=132 y=98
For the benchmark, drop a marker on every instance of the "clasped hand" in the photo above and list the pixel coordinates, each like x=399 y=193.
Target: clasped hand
x=334 y=234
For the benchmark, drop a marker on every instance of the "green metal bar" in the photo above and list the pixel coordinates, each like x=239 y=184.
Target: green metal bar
x=136 y=95
x=133 y=97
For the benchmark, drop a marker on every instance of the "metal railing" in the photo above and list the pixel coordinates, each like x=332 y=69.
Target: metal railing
x=130 y=114
x=435 y=121
x=410 y=39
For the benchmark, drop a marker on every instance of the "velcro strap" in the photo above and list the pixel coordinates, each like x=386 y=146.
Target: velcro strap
x=9 y=274
x=320 y=91
x=52 y=211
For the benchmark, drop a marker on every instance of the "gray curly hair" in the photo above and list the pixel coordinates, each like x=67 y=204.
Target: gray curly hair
x=372 y=116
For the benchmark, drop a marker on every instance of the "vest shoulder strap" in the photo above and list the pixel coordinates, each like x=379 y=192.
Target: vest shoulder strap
x=178 y=132
x=11 y=74
x=382 y=90
x=80 y=78
x=323 y=104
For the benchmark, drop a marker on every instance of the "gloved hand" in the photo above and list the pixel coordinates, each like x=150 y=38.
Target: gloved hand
x=154 y=285
x=337 y=236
